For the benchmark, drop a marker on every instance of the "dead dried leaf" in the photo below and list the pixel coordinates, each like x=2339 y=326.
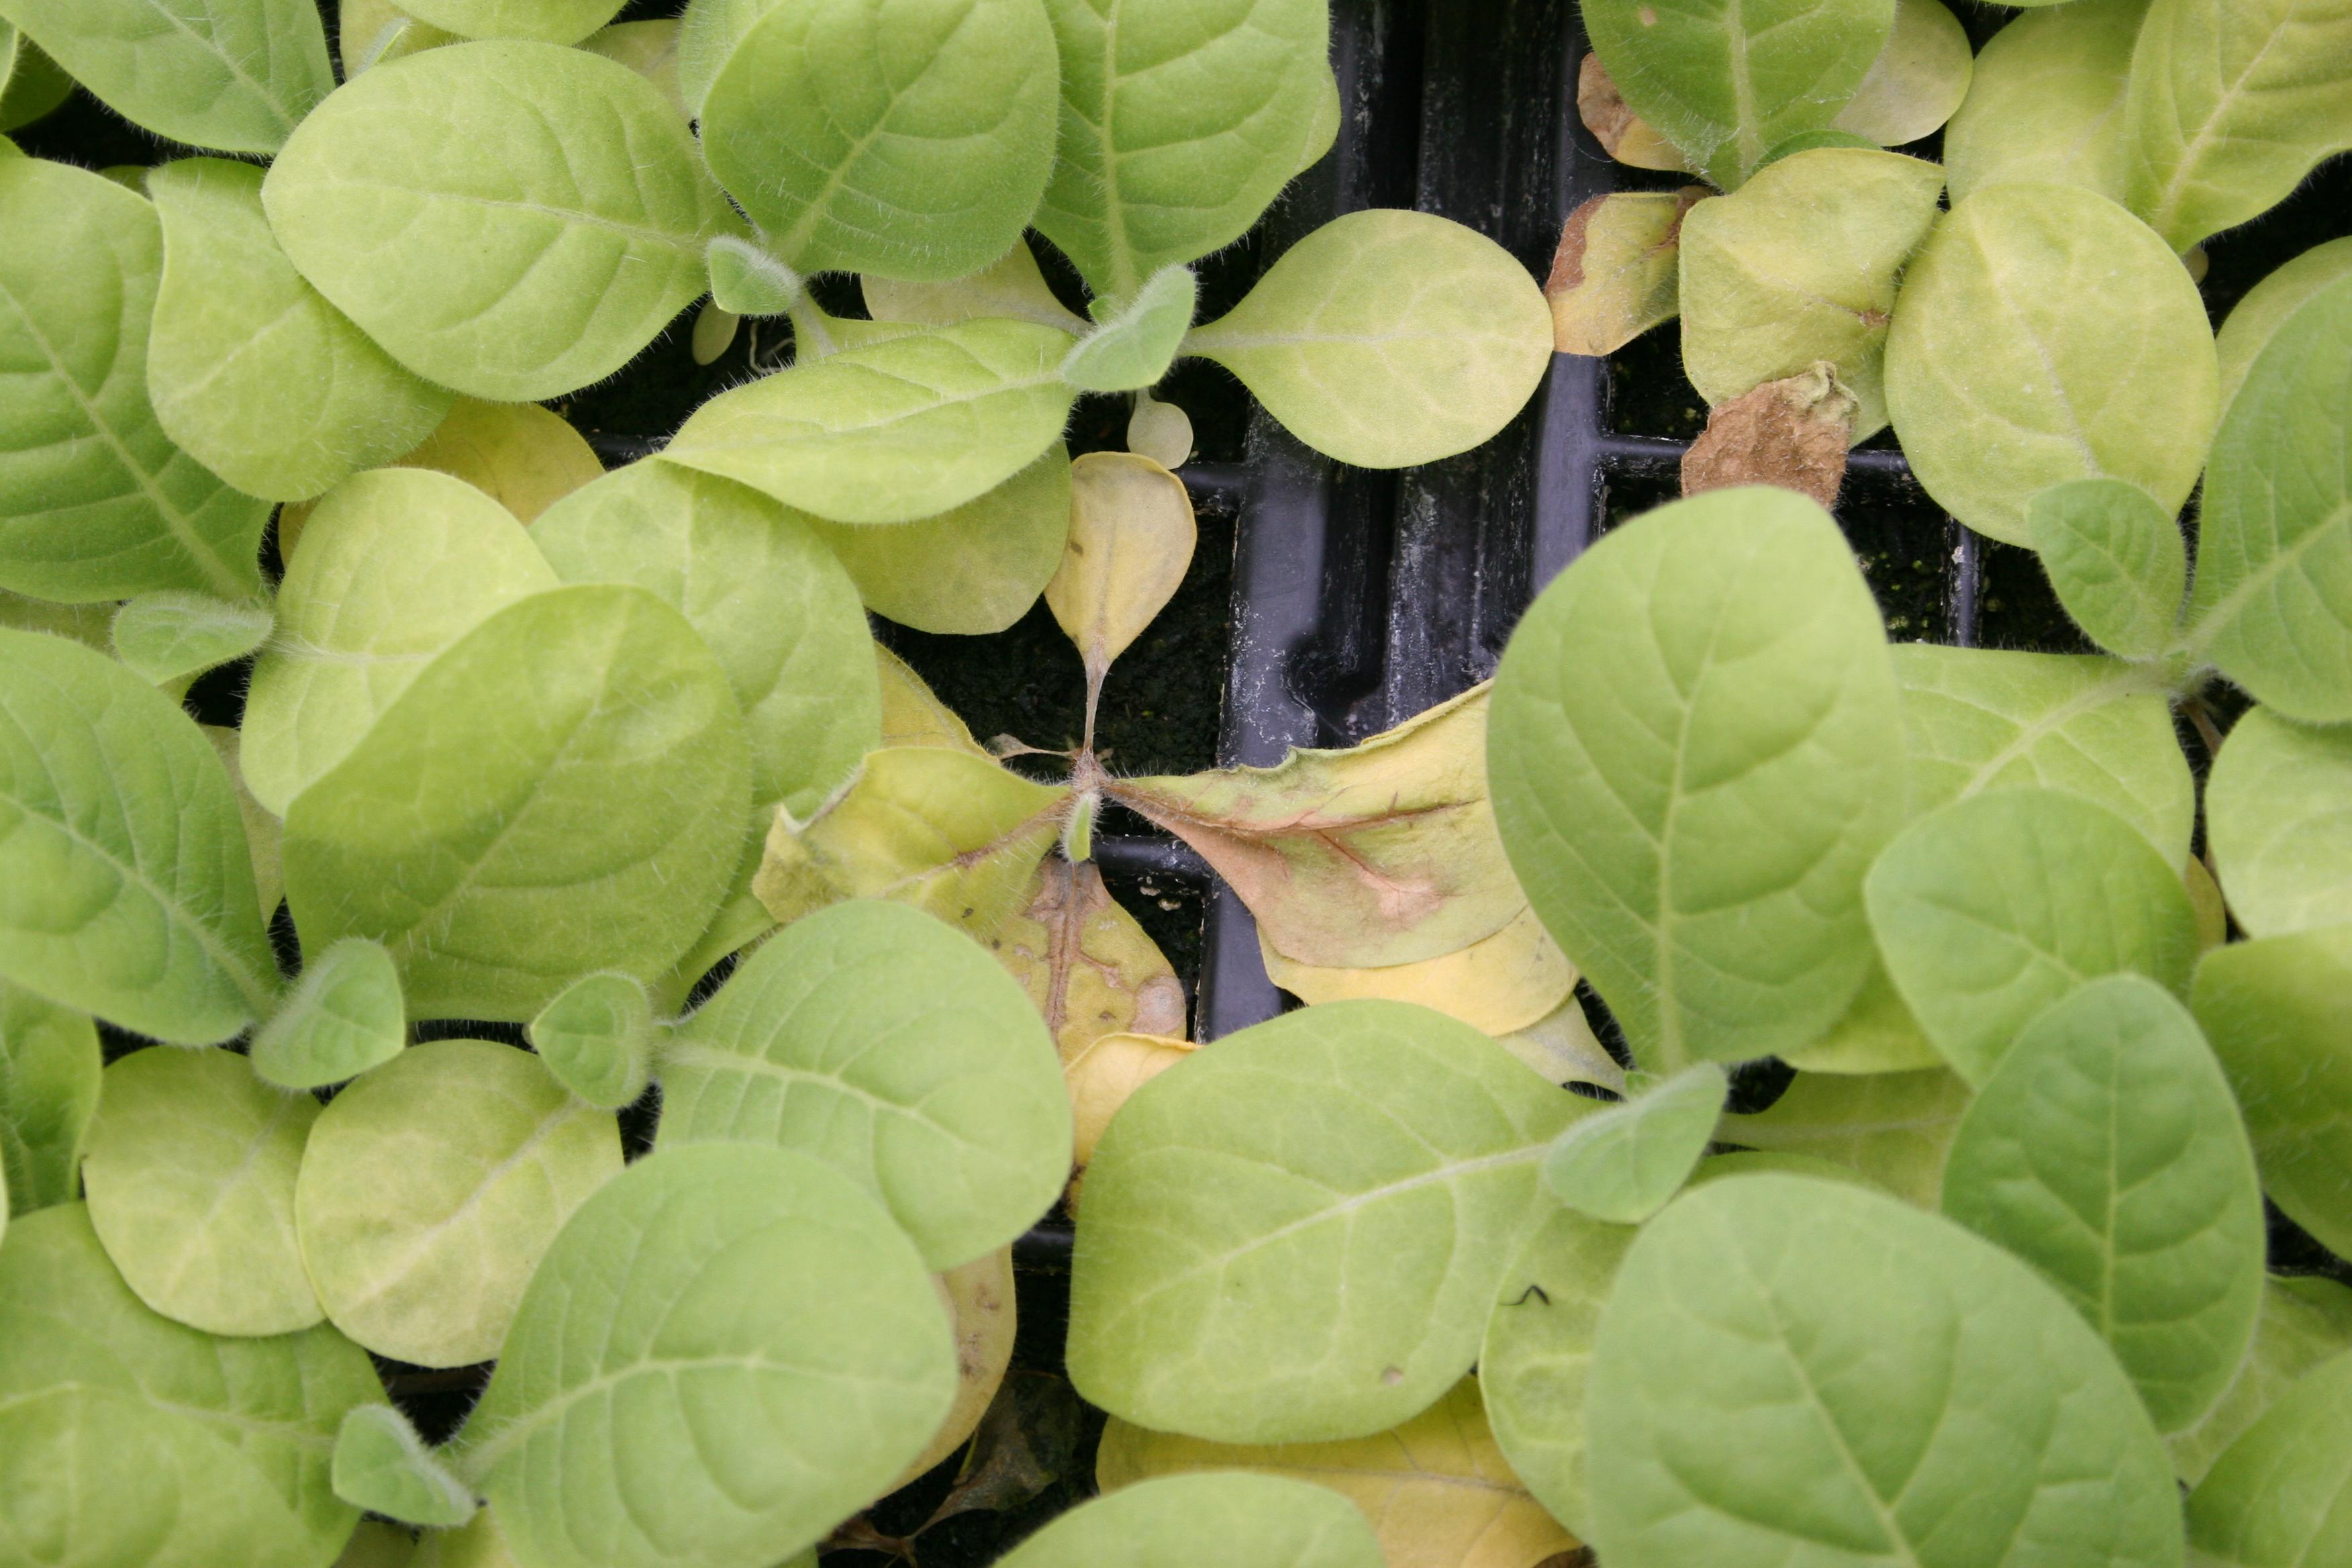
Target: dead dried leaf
x=1086 y=962
x=1026 y=1442
x=1131 y=538
x=1793 y=433
x=1613 y=276
x=1508 y=981
x=1622 y=134
x=1383 y=854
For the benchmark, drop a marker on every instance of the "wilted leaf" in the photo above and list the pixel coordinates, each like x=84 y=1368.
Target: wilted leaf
x=1086 y=963
x=1384 y=853
x=1919 y=77
x=1613 y=276
x=913 y=716
x=1028 y=1440
x=1894 y=1128
x=1509 y=981
x=968 y=572
x=1104 y=1072
x=1793 y=433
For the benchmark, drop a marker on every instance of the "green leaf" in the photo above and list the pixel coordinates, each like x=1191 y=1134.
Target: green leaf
x=432 y=1187
x=969 y=571
x=647 y=48
x=1011 y=286
x=190 y=1171
x=731 y=1292
x=2276 y=1497
x=1727 y=82
x=910 y=139
x=1919 y=78
x=2279 y=815
x=2117 y=560
x=1232 y=1518
x=382 y=1465
x=597 y=1037
x=745 y=281
x=369 y=32
x=1134 y=342
x=1799 y=265
x=898 y=1052
x=341 y=1019
x=1876 y=1034
x=234 y=75
x=893 y=431
x=1798 y=1371
x=170 y=636
x=1387 y=338
x=2045 y=334
x=2304 y=1321
x=2279 y=1013
x=563 y=789
x=125 y=886
x=1997 y=906
x=2104 y=1150
x=393 y=566
x=548 y=21
x=2045 y=103
x=239 y=1431
x=1984 y=718
x=1622 y=1163
x=2272 y=601
x=95 y=501
x=1894 y=1128
x=755 y=581
x=1538 y=1353
x=250 y=370
x=2255 y=320
x=1749 y=684
x=1236 y=1281
x=514 y=220
x=2230 y=107
x=1178 y=126
x=50 y=1065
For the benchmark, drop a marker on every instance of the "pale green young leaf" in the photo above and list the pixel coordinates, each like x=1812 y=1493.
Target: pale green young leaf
x=2280 y=1496
x=1539 y=1352
x=729 y=1349
x=2117 y=560
x=344 y=1017
x=2271 y=605
x=2045 y=105
x=514 y=220
x=126 y=888
x=1009 y=287
x=95 y=501
x=969 y=571
x=2045 y=334
x=893 y=431
x=250 y=370
x=548 y=21
x=369 y=32
x=647 y=48
x=1134 y=342
x=234 y=75
x=382 y=1465
x=1993 y=908
x=1231 y=1518
x=758 y=585
x=2231 y=105
x=1386 y=339
x=598 y=1038
x=167 y=636
x=1623 y=1162
x=1892 y=1128
x=2105 y=1151
x=1876 y=1033
x=1985 y=719
x=1919 y=78
x=1614 y=275
x=190 y=1171
x=745 y=281
x=254 y=1418
x=2278 y=816
x=1728 y=81
x=1180 y=123
x=432 y=1187
x=1750 y=683
x=910 y=138
x=1732 y=1422
x=2304 y=1319
x=393 y=566
x=2255 y=320
x=2279 y=1013
x=1236 y=1282
x=1799 y=265
x=893 y=1048
x=50 y=1065
x=563 y=789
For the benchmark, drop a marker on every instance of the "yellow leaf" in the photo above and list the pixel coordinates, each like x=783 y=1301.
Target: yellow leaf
x=979 y=1298
x=1131 y=537
x=1613 y=276
x=2205 y=898
x=968 y=572
x=375 y=1544
x=523 y=456
x=1104 y=1072
x=1877 y=1034
x=1562 y=1046
x=479 y=1544
x=1090 y=969
x=1436 y=1489
x=913 y=716
x=1381 y=855
x=1010 y=286
x=1501 y=983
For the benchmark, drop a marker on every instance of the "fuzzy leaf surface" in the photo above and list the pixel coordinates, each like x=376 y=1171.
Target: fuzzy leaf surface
x=50 y=1066
x=234 y=75
x=2278 y=812
x=2117 y=560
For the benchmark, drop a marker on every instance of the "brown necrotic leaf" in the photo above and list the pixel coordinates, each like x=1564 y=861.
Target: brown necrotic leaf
x=1085 y=962
x=1622 y=134
x=1613 y=276
x=1793 y=433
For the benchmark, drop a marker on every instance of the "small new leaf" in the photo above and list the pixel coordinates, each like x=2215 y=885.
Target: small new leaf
x=597 y=1037
x=745 y=281
x=1133 y=343
x=343 y=1017
x=1622 y=1163
x=2116 y=558
x=382 y=1465
x=172 y=635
